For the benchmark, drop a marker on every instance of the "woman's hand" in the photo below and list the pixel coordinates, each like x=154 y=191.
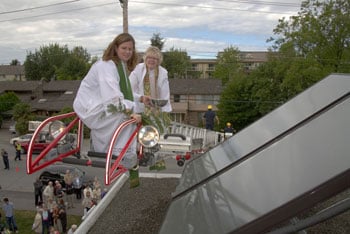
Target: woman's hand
x=137 y=117
x=146 y=100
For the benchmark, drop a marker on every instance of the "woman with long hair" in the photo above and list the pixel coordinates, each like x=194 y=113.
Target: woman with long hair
x=105 y=98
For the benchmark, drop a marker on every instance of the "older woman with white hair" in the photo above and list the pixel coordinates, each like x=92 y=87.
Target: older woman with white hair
x=150 y=80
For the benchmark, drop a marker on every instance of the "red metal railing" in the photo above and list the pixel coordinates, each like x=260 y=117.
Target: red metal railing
x=39 y=162
x=113 y=169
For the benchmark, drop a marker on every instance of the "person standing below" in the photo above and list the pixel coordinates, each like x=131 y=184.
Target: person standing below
x=150 y=80
x=87 y=202
x=77 y=187
x=9 y=214
x=56 y=218
x=68 y=180
x=5 y=158
x=37 y=226
x=46 y=219
x=105 y=98
x=49 y=192
x=18 y=148
x=62 y=215
x=38 y=192
x=209 y=117
x=72 y=229
x=228 y=130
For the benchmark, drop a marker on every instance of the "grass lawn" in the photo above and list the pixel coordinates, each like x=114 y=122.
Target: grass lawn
x=24 y=220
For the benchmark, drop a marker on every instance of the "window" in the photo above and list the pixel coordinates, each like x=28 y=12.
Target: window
x=178 y=117
x=176 y=98
x=207 y=99
x=211 y=67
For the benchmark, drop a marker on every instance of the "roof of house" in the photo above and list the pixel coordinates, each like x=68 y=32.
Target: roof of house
x=18 y=86
x=11 y=70
x=61 y=85
x=55 y=95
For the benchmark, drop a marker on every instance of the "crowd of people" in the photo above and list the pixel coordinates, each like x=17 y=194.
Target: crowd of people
x=53 y=200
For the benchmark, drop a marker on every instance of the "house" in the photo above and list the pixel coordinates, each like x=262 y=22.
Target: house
x=189 y=98
x=12 y=73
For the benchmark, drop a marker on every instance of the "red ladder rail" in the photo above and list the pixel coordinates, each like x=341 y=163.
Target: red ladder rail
x=115 y=169
x=40 y=161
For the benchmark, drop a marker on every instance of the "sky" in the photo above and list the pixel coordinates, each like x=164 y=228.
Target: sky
x=201 y=28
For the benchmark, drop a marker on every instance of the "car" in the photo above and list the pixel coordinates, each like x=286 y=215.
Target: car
x=44 y=141
x=57 y=171
x=38 y=146
x=23 y=138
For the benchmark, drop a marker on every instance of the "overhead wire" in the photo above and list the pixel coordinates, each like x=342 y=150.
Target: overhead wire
x=137 y=2
x=38 y=7
x=283 y=4
x=57 y=12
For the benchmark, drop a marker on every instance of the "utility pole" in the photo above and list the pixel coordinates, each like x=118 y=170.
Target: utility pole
x=124 y=5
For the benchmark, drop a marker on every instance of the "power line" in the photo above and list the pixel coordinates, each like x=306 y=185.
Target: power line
x=38 y=7
x=139 y=2
x=285 y=4
x=208 y=7
x=57 y=12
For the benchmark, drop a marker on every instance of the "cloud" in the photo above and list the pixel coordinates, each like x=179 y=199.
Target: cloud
x=202 y=28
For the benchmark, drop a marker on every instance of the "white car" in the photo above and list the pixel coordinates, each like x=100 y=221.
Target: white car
x=23 y=138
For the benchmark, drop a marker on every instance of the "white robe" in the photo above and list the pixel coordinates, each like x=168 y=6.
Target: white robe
x=136 y=79
x=99 y=88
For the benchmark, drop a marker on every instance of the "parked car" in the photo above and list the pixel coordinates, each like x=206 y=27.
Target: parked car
x=37 y=147
x=57 y=172
x=23 y=138
x=44 y=140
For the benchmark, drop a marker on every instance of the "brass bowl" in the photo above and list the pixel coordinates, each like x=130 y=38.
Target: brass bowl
x=159 y=102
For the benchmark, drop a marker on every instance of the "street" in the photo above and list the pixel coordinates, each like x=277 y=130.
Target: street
x=17 y=185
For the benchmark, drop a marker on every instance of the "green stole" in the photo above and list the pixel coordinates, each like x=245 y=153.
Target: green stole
x=124 y=83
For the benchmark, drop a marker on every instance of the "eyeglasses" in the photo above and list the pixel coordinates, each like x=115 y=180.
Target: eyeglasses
x=153 y=58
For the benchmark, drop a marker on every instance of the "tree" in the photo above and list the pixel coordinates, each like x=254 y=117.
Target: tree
x=236 y=105
x=8 y=101
x=43 y=63
x=15 y=62
x=228 y=66
x=307 y=48
x=55 y=61
x=176 y=62
x=157 y=41
x=22 y=114
x=246 y=99
x=75 y=66
x=320 y=31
